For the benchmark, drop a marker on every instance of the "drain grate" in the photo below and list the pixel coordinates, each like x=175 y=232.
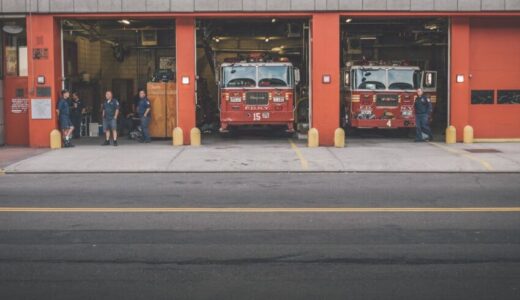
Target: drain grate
x=483 y=150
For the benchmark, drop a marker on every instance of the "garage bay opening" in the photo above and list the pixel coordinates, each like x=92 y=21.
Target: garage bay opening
x=122 y=55
x=384 y=62
x=253 y=74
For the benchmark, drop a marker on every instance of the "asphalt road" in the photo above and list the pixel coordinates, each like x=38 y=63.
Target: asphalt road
x=412 y=252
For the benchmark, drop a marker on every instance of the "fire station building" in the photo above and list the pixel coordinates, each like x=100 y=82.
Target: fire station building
x=91 y=46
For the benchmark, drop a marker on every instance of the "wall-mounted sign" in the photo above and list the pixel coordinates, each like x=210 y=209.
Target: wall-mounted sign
x=19 y=105
x=11 y=61
x=43 y=91
x=41 y=53
x=41 y=109
x=167 y=63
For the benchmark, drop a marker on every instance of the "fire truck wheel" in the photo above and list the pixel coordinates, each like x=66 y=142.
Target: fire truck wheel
x=230 y=133
x=401 y=133
x=349 y=130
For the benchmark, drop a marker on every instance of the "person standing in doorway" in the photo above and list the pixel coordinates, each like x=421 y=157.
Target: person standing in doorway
x=77 y=109
x=110 y=114
x=423 y=110
x=63 y=111
x=144 y=109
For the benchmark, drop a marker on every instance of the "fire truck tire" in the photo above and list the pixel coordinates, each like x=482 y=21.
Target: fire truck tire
x=402 y=133
x=232 y=132
x=349 y=130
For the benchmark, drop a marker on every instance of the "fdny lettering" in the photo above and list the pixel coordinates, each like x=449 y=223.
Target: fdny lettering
x=256 y=107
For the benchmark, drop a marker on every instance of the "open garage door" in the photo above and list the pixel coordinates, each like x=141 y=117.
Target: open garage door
x=253 y=73
x=384 y=61
x=122 y=56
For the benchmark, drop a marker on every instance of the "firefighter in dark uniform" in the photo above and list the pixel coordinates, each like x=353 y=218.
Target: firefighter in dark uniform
x=110 y=114
x=77 y=109
x=63 y=111
x=423 y=111
x=144 y=109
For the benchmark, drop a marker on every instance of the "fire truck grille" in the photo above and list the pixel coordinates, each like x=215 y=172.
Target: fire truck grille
x=257 y=98
x=387 y=100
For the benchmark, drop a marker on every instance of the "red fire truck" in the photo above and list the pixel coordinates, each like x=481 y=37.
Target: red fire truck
x=256 y=93
x=382 y=96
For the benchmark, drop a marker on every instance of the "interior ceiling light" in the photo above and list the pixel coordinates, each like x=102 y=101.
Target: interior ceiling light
x=348 y=20
x=267 y=40
x=12 y=28
x=124 y=21
x=431 y=26
x=367 y=38
x=273 y=20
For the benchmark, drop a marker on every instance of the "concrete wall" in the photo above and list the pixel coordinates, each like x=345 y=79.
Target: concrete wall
x=90 y=6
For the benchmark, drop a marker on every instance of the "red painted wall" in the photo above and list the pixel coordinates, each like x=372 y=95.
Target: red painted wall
x=16 y=123
x=185 y=45
x=43 y=33
x=495 y=65
x=459 y=106
x=325 y=61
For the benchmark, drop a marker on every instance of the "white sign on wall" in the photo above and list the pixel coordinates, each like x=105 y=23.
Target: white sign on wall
x=41 y=109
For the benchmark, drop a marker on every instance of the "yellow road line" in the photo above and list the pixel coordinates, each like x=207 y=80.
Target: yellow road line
x=260 y=209
x=304 y=163
x=484 y=163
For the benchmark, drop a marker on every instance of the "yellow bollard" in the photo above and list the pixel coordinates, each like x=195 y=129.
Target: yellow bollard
x=468 y=135
x=339 y=138
x=313 y=138
x=55 y=139
x=178 y=137
x=195 y=137
x=451 y=135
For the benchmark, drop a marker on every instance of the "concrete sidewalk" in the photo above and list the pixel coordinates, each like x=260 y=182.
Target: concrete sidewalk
x=274 y=155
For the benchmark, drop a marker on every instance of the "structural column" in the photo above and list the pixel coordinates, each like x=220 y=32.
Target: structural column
x=185 y=45
x=44 y=51
x=325 y=65
x=460 y=66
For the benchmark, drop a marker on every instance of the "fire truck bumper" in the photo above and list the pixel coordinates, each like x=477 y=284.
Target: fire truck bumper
x=382 y=123
x=249 y=118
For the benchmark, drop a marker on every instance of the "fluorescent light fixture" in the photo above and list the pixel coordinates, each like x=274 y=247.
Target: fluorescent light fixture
x=367 y=38
x=348 y=20
x=124 y=21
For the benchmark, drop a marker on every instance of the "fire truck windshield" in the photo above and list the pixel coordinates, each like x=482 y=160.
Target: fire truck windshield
x=402 y=79
x=371 y=79
x=273 y=76
x=241 y=76
x=383 y=78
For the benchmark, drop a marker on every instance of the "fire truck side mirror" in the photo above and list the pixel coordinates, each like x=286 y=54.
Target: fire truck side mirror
x=429 y=80
x=296 y=76
x=346 y=79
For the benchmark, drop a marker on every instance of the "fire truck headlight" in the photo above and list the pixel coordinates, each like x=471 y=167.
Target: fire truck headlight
x=278 y=99
x=235 y=99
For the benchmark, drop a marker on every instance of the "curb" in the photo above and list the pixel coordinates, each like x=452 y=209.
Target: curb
x=251 y=172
